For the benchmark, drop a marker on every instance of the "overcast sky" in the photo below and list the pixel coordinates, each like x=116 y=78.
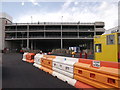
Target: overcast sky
x=71 y=10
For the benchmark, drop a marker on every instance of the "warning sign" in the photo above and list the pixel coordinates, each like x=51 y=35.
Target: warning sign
x=96 y=63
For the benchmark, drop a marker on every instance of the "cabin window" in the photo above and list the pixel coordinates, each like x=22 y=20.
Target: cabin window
x=110 y=39
x=98 y=48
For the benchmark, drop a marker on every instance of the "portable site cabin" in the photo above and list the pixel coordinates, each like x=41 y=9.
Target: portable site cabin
x=107 y=47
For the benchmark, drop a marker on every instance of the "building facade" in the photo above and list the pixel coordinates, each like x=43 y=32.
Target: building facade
x=51 y=35
x=4 y=19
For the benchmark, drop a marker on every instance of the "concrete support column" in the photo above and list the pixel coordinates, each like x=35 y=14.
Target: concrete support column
x=31 y=45
x=61 y=38
x=16 y=32
x=27 y=36
x=44 y=30
x=27 y=43
x=2 y=33
x=78 y=29
x=61 y=43
x=94 y=29
x=34 y=45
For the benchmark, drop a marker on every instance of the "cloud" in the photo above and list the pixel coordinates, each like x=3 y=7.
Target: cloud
x=22 y=3
x=81 y=11
x=108 y=12
x=67 y=4
x=34 y=2
x=76 y=3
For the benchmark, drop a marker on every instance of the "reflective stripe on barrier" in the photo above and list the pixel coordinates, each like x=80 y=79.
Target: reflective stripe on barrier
x=63 y=72
x=64 y=78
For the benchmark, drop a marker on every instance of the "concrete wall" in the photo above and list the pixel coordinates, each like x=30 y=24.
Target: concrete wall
x=1 y=34
x=2 y=28
x=4 y=18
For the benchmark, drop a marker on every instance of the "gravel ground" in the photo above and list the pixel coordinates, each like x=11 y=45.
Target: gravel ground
x=19 y=74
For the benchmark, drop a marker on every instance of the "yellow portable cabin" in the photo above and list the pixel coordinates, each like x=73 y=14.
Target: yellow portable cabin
x=107 y=47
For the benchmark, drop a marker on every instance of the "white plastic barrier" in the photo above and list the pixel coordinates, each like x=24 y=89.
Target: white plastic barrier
x=36 y=65
x=66 y=58
x=24 y=56
x=37 y=58
x=64 y=78
x=63 y=72
x=65 y=65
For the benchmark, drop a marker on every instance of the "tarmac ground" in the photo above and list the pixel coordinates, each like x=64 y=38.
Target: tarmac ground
x=19 y=74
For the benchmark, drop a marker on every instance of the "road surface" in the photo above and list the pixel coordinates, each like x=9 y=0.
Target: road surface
x=19 y=74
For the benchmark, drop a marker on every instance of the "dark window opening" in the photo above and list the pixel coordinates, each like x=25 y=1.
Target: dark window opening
x=98 y=48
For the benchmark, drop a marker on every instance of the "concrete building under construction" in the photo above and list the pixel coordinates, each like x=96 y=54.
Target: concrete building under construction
x=48 y=35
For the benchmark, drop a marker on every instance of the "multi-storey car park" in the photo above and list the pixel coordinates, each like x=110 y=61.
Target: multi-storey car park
x=49 y=35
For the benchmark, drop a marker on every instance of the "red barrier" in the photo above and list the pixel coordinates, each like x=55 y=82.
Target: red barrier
x=102 y=63
x=84 y=86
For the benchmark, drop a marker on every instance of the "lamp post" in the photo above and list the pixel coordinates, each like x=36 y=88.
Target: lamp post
x=78 y=28
x=31 y=19
x=61 y=32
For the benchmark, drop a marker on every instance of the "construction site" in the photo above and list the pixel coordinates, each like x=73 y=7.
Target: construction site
x=59 y=55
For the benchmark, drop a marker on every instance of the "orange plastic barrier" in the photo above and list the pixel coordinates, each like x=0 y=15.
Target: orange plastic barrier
x=92 y=83
x=30 y=57
x=47 y=70
x=99 y=77
x=46 y=62
x=103 y=63
x=105 y=69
